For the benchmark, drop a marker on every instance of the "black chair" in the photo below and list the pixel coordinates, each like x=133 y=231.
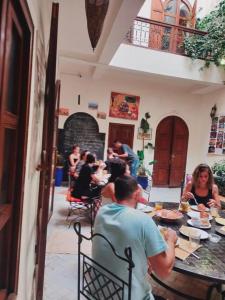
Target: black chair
x=97 y=282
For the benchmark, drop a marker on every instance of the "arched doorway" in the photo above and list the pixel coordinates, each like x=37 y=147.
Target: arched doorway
x=170 y=152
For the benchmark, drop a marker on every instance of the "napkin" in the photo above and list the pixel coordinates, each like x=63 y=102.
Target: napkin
x=184 y=248
x=152 y=213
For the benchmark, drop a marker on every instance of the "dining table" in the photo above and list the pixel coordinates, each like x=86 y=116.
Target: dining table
x=209 y=264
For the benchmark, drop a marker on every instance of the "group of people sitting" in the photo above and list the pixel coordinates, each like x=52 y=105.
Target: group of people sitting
x=124 y=225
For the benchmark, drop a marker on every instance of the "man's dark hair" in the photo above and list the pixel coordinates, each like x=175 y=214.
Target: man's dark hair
x=125 y=186
x=117 y=168
x=90 y=159
x=83 y=154
x=116 y=141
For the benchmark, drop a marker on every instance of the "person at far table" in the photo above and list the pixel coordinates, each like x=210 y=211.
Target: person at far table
x=86 y=184
x=129 y=155
x=125 y=226
x=74 y=158
x=110 y=158
x=202 y=188
x=118 y=168
x=81 y=162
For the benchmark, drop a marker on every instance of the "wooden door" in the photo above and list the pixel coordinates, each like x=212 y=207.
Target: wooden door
x=122 y=132
x=170 y=152
x=48 y=152
x=16 y=38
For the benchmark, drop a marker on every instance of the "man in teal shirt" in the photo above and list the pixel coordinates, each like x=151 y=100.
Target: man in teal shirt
x=125 y=226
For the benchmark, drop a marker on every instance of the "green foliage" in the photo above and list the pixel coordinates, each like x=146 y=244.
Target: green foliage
x=219 y=175
x=219 y=168
x=210 y=47
x=143 y=170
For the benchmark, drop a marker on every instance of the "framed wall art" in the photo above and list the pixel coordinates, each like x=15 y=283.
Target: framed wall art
x=217 y=136
x=124 y=106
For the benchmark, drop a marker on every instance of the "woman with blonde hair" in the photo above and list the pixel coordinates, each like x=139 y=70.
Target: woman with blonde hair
x=202 y=188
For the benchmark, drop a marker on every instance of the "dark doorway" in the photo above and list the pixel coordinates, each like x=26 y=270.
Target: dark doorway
x=122 y=132
x=170 y=152
x=16 y=41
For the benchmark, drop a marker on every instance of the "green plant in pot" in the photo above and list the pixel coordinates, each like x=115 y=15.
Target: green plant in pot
x=219 y=175
x=143 y=172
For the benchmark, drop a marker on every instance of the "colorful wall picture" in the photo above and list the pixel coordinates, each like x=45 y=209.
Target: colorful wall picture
x=124 y=106
x=217 y=136
x=92 y=105
x=101 y=115
x=63 y=111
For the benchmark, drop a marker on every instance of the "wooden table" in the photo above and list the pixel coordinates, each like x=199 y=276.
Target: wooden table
x=211 y=265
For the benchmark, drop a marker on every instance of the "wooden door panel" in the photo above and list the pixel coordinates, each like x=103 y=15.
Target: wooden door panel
x=162 y=153
x=122 y=132
x=179 y=152
x=170 y=152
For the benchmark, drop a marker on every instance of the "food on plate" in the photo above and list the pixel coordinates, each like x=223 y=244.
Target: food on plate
x=201 y=207
x=202 y=222
x=169 y=214
x=204 y=214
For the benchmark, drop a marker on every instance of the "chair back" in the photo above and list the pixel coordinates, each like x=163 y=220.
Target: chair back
x=97 y=282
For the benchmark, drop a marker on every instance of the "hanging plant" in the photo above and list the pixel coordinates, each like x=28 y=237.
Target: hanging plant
x=210 y=47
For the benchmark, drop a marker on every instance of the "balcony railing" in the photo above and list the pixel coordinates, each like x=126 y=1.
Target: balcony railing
x=160 y=36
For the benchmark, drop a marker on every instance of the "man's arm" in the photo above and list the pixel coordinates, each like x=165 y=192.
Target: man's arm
x=163 y=262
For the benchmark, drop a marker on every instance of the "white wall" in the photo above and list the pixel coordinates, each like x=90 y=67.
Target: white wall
x=159 y=100
x=166 y=64
x=39 y=12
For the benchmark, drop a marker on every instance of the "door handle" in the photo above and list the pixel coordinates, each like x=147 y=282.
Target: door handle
x=43 y=165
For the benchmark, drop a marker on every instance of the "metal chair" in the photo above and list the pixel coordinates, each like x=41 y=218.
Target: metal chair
x=83 y=207
x=147 y=191
x=97 y=282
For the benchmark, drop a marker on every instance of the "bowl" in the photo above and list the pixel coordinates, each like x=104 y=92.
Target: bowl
x=214 y=238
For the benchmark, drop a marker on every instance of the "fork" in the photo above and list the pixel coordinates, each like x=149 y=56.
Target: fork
x=194 y=200
x=191 y=253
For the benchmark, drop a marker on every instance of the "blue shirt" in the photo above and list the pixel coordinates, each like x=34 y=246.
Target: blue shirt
x=125 y=226
x=131 y=155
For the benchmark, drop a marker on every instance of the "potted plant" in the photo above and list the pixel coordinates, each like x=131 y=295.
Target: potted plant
x=219 y=175
x=59 y=169
x=143 y=172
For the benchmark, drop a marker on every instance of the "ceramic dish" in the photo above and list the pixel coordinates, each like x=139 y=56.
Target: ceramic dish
x=196 y=214
x=220 y=221
x=144 y=208
x=192 y=223
x=195 y=207
x=186 y=231
x=220 y=231
x=169 y=215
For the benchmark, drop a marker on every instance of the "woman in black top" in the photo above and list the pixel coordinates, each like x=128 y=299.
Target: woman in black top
x=87 y=176
x=202 y=188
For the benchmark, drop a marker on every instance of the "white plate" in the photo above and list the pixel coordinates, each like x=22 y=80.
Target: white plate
x=203 y=227
x=195 y=207
x=204 y=234
x=196 y=214
x=144 y=208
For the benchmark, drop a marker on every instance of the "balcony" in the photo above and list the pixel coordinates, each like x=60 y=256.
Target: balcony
x=159 y=36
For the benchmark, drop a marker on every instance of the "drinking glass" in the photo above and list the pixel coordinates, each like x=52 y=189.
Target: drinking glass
x=184 y=206
x=194 y=238
x=158 y=205
x=214 y=211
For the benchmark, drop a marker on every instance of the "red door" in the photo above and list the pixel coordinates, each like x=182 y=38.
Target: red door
x=122 y=132
x=170 y=152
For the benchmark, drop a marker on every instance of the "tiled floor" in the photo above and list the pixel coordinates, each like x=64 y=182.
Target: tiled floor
x=61 y=257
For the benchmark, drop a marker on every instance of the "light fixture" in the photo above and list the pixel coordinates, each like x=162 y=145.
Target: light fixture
x=213 y=111
x=96 y=11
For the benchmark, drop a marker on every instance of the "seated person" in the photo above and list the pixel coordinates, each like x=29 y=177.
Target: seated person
x=81 y=162
x=118 y=168
x=202 y=188
x=86 y=184
x=74 y=157
x=110 y=156
x=125 y=226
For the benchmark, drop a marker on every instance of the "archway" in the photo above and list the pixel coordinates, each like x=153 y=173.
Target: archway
x=82 y=129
